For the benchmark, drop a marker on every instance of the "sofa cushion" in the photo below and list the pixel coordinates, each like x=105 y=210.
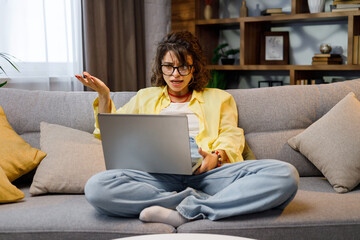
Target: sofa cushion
x=32 y=138
x=273 y=145
x=317 y=212
x=70 y=109
x=8 y=192
x=17 y=156
x=66 y=216
x=288 y=107
x=332 y=144
x=275 y=112
x=73 y=157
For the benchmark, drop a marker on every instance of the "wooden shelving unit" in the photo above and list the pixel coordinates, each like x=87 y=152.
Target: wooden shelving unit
x=251 y=32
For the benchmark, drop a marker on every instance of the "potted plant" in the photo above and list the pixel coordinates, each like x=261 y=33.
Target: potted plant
x=218 y=79
x=220 y=52
x=7 y=57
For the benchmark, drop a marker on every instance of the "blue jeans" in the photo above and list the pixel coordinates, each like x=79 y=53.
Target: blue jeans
x=233 y=189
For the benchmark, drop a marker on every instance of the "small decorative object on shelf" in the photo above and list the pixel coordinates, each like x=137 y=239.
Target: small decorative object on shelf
x=243 y=10
x=220 y=53
x=325 y=48
x=208 y=10
x=316 y=6
x=325 y=58
x=275 y=48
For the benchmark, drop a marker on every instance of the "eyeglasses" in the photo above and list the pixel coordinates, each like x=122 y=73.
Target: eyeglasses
x=183 y=70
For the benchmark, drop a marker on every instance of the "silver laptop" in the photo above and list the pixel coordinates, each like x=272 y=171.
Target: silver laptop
x=150 y=143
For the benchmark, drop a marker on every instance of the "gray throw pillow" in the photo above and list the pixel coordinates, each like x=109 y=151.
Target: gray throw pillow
x=73 y=156
x=332 y=144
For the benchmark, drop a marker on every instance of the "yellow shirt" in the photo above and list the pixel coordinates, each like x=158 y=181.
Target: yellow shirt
x=216 y=110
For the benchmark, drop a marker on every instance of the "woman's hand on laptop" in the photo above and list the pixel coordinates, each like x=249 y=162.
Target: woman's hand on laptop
x=210 y=161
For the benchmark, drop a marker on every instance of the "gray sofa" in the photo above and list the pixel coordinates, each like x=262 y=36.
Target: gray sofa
x=269 y=117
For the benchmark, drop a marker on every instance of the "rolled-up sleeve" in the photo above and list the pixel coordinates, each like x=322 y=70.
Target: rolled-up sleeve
x=131 y=108
x=231 y=138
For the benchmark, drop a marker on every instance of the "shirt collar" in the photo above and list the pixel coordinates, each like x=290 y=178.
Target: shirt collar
x=196 y=95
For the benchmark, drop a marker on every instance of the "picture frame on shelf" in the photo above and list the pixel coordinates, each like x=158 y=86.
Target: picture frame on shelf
x=275 y=48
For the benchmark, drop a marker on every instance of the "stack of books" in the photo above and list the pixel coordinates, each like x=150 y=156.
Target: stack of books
x=345 y=5
x=356 y=50
x=309 y=81
x=326 y=59
x=273 y=12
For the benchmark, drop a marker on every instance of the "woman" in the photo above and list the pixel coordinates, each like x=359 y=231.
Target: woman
x=218 y=189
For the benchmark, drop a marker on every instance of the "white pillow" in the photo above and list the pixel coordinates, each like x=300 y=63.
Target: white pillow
x=332 y=144
x=73 y=156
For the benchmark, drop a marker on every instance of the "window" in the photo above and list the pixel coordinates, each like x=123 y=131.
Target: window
x=45 y=38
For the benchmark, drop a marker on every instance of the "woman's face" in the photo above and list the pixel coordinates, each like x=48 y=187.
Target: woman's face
x=177 y=84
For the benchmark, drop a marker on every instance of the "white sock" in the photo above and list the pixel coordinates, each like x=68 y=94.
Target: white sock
x=162 y=215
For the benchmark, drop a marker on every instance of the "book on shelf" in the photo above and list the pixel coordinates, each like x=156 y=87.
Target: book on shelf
x=345 y=9
x=326 y=63
x=346 y=2
x=353 y=5
x=309 y=81
x=356 y=50
x=327 y=55
x=327 y=59
x=269 y=11
x=301 y=82
x=278 y=14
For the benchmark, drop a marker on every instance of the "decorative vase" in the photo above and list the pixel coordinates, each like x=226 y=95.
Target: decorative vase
x=207 y=12
x=243 y=10
x=316 y=6
x=227 y=61
x=325 y=48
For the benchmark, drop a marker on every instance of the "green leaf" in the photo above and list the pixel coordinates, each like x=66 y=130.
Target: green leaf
x=217 y=80
x=8 y=58
x=232 y=52
x=2 y=84
x=2 y=70
x=221 y=46
x=219 y=53
x=215 y=59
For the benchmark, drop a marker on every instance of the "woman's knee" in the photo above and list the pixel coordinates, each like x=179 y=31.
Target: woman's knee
x=97 y=189
x=289 y=176
x=282 y=175
x=94 y=190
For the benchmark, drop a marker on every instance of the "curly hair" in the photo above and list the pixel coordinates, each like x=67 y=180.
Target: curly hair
x=182 y=44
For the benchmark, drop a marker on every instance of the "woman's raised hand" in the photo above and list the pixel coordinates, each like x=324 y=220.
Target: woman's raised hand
x=95 y=84
x=100 y=87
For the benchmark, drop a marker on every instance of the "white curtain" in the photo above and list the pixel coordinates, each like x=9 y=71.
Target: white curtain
x=45 y=37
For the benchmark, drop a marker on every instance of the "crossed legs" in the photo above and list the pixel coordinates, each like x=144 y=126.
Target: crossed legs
x=233 y=189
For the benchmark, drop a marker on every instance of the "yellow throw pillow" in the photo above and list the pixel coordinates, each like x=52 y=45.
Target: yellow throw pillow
x=8 y=192
x=17 y=157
